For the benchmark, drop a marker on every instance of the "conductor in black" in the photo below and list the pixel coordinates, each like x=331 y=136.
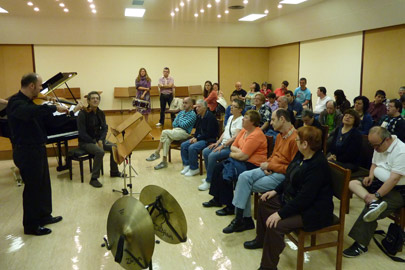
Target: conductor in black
x=28 y=136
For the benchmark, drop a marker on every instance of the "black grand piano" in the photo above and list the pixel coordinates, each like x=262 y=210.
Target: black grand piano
x=61 y=128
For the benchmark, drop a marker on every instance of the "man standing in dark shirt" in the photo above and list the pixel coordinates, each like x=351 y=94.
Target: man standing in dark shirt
x=28 y=136
x=92 y=133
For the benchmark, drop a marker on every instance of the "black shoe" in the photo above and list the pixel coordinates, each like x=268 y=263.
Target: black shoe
x=38 y=231
x=95 y=183
x=212 y=203
x=252 y=244
x=118 y=174
x=226 y=211
x=50 y=220
x=235 y=226
x=354 y=250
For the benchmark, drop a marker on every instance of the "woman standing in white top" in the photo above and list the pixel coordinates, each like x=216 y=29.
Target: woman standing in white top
x=221 y=149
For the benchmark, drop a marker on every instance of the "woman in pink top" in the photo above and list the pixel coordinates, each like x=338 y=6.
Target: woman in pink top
x=210 y=96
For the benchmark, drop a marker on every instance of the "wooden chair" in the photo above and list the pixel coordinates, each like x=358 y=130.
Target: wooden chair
x=79 y=155
x=340 y=181
x=270 y=148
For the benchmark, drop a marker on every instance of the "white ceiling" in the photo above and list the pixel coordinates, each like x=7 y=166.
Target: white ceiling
x=158 y=10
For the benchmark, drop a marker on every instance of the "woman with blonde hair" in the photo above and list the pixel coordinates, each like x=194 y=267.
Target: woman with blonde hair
x=142 y=84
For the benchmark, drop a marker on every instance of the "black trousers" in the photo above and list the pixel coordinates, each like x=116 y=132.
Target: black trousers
x=37 y=196
x=221 y=189
x=165 y=98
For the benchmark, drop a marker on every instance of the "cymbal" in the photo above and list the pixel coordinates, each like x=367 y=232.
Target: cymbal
x=176 y=223
x=131 y=223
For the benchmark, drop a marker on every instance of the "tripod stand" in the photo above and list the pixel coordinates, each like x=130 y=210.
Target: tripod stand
x=127 y=164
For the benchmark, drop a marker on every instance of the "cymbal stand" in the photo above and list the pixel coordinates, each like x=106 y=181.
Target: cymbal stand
x=158 y=206
x=127 y=164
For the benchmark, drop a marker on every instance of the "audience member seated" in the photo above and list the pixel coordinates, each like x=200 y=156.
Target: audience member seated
x=361 y=104
x=182 y=126
x=222 y=148
x=302 y=94
x=211 y=97
x=265 y=90
x=303 y=200
x=345 y=146
x=321 y=102
x=93 y=129
x=377 y=108
x=293 y=105
x=248 y=151
x=270 y=174
x=401 y=91
x=206 y=132
x=254 y=89
x=263 y=109
x=308 y=119
x=402 y=100
x=342 y=103
x=272 y=103
x=393 y=121
x=238 y=90
x=228 y=109
x=283 y=104
x=331 y=117
x=282 y=90
x=383 y=191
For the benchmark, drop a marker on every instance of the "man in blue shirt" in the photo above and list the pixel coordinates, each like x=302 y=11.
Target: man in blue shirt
x=293 y=104
x=302 y=94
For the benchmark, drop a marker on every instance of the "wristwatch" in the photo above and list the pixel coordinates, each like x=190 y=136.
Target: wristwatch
x=377 y=195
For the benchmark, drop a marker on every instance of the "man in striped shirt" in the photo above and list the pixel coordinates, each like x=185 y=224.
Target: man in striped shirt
x=182 y=126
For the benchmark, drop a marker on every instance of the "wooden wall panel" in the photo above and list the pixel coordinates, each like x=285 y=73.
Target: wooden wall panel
x=384 y=61
x=15 y=61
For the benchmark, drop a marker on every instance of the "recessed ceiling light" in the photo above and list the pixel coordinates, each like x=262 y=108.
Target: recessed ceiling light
x=280 y=6
x=134 y=12
x=202 y=10
x=30 y=4
x=266 y=11
x=2 y=10
x=176 y=9
x=182 y=4
x=245 y=1
x=196 y=15
x=93 y=6
x=36 y=9
x=226 y=11
x=66 y=10
x=90 y=1
x=94 y=11
x=172 y=14
x=217 y=1
x=62 y=5
x=209 y=6
x=219 y=16
x=292 y=2
x=252 y=17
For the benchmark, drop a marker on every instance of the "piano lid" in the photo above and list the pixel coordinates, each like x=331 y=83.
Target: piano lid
x=56 y=81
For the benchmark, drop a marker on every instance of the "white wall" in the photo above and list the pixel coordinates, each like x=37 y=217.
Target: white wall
x=334 y=63
x=105 y=67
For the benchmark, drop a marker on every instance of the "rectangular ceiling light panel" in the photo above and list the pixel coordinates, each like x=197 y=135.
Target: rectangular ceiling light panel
x=2 y=10
x=292 y=2
x=134 y=12
x=252 y=17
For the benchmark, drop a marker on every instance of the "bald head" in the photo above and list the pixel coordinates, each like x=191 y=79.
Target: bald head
x=238 y=86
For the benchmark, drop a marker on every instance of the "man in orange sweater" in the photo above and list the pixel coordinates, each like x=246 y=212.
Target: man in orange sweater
x=268 y=176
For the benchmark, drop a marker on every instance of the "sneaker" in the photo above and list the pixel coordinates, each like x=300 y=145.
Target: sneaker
x=159 y=124
x=191 y=172
x=203 y=180
x=374 y=210
x=185 y=169
x=153 y=157
x=204 y=186
x=161 y=165
x=95 y=183
x=354 y=250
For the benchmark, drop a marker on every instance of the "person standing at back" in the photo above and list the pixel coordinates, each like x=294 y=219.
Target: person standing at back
x=166 y=88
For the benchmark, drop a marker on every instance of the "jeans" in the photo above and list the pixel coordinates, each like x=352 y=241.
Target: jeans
x=189 y=153
x=211 y=158
x=254 y=181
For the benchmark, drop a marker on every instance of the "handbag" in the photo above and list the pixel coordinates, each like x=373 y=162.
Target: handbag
x=392 y=242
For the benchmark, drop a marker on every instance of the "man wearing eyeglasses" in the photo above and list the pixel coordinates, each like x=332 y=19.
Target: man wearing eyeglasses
x=383 y=190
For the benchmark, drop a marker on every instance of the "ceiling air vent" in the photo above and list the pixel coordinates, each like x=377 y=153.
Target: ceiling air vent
x=137 y=2
x=236 y=7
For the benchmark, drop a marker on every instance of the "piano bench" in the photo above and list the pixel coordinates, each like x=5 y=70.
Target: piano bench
x=80 y=155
